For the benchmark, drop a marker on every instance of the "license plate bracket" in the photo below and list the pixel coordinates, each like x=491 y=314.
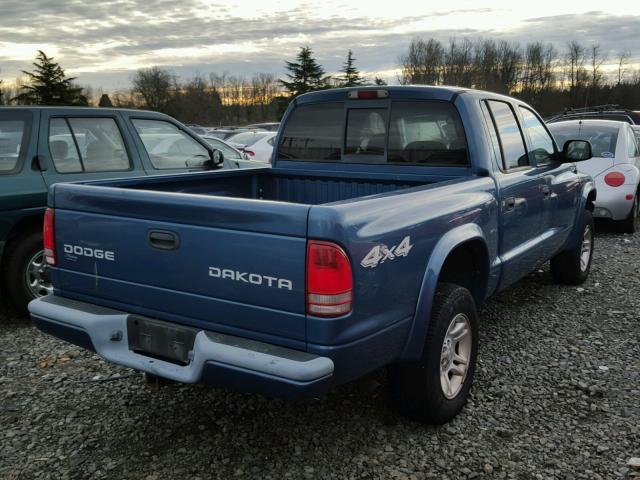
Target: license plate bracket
x=158 y=339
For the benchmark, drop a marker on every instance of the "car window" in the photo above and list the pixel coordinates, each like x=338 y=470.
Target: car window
x=14 y=137
x=313 y=132
x=168 y=146
x=541 y=149
x=246 y=138
x=87 y=145
x=426 y=133
x=603 y=138
x=514 y=154
x=366 y=131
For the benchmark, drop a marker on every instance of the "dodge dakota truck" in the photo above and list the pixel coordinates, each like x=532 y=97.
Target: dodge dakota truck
x=40 y=146
x=388 y=217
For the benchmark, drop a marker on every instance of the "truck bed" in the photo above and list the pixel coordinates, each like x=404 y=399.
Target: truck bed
x=271 y=185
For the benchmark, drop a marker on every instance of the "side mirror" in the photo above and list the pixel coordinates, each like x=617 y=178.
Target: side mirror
x=576 y=150
x=217 y=157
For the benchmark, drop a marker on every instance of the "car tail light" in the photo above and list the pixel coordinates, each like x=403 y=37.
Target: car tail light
x=614 y=179
x=250 y=153
x=48 y=235
x=329 y=280
x=368 y=94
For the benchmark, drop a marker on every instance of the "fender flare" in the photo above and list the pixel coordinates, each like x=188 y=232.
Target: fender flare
x=588 y=189
x=449 y=241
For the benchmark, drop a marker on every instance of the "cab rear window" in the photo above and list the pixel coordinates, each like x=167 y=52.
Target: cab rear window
x=14 y=136
x=409 y=133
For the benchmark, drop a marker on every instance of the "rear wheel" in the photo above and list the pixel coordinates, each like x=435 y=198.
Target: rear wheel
x=572 y=267
x=27 y=274
x=435 y=388
x=632 y=222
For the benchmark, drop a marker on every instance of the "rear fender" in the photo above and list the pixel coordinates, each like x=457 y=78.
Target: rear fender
x=449 y=242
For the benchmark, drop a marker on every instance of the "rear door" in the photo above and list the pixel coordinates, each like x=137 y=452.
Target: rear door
x=78 y=144
x=522 y=194
x=561 y=188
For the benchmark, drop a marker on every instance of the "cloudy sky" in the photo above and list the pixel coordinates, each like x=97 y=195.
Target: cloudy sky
x=103 y=41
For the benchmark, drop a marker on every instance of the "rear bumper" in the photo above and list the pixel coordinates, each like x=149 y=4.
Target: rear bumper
x=612 y=202
x=217 y=360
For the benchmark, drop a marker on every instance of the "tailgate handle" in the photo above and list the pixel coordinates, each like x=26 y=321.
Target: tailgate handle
x=164 y=240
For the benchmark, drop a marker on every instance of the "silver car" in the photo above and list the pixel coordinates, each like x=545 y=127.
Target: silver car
x=614 y=166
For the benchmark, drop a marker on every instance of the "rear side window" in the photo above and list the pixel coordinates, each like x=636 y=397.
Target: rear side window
x=15 y=129
x=514 y=154
x=90 y=144
x=409 y=133
x=168 y=146
x=314 y=133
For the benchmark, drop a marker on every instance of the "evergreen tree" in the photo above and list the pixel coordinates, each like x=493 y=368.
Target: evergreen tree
x=350 y=75
x=306 y=74
x=105 y=101
x=48 y=85
x=1 y=94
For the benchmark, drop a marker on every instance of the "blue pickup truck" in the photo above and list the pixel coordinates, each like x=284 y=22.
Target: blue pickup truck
x=388 y=217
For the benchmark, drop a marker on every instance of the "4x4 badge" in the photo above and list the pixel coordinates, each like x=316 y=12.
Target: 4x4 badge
x=381 y=253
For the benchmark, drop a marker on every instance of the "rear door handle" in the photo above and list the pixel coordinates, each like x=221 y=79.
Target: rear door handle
x=546 y=191
x=164 y=240
x=509 y=203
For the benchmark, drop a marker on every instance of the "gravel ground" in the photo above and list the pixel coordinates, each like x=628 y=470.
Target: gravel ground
x=557 y=395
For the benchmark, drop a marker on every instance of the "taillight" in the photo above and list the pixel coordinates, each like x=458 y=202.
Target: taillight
x=49 y=236
x=329 y=280
x=614 y=179
x=368 y=94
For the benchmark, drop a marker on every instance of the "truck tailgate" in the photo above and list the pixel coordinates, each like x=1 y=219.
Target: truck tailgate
x=219 y=263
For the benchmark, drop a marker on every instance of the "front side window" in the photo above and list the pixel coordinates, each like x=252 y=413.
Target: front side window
x=14 y=136
x=541 y=149
x=228 y=151
x=87 y=145
x=168 y=146
x=514 y=154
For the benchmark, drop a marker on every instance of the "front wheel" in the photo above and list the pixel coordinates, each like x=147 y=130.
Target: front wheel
x=572 y=267
x=27 y=274
x=435 y=388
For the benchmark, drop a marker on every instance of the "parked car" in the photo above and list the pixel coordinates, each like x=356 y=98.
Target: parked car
x=614 y=166
x=257 y=145
x=388 y=217
x=224 y=133
x=269 y=126
x=197 y=128
x=40 y=146
x=599 y=112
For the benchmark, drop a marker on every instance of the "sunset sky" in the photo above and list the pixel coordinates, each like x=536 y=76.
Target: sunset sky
x=103 y=42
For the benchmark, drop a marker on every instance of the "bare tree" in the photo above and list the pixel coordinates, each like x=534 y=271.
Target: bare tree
x=596 y=59
x=623 y=61
x=154 y=85
x=423 y=64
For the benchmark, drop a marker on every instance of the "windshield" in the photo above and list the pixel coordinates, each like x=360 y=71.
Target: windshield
x=407 y=133
x=247 y=138
x=603 y=138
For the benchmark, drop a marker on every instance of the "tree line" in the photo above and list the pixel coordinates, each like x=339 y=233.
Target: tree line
x=537 y=73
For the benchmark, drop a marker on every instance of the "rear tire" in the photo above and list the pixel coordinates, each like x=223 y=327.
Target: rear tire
x=572 y=267
x=631 y=223
x=420 y=390
x=20 y=257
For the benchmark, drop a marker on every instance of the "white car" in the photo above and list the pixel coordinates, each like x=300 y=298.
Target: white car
x=257 y=145
x=614 y=166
